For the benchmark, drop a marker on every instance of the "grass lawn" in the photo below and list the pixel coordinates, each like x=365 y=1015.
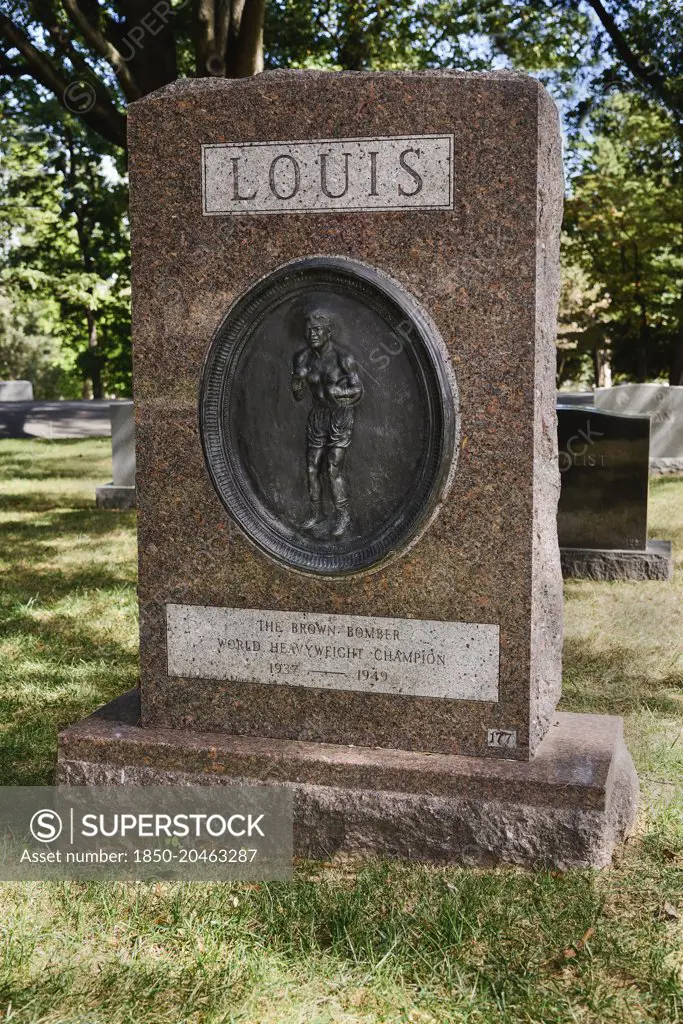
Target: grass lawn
x=351 y=942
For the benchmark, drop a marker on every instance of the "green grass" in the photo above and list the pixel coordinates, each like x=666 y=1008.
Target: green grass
x=343 y=943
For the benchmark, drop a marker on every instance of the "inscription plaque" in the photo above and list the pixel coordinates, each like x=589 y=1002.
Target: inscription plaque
x=344 y=175
x=329 y=416
x=457 y=660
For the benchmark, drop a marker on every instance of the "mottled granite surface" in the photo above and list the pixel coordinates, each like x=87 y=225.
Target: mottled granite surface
x=568 y=807
x=487 y=274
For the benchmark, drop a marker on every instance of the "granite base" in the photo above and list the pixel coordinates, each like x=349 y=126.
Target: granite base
x=654 y=563
x=110 y=496
x=665 y=467
x=568 y=807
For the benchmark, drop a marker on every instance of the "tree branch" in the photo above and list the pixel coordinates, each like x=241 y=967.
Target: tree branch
x=101 y=115
x=650 y=78
x=46 y=15
x=104 y=47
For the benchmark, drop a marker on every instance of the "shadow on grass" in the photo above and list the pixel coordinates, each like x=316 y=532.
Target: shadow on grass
x=59 y=633
x=54 y=584
x=64 y=670
x=51 y=538
x=608 y=682
x=36 y=459
x=28 y=744
x=65 y=522
x=469 y=945
x=48 y=501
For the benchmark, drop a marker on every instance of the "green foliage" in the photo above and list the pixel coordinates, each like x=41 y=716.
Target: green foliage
x=624 y=242
x=374 y=35
x=29 y=352
x=637 y=49
x=616 y=69
x=64 y=247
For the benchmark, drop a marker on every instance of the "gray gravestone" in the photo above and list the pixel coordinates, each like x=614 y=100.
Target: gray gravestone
x=16 y=391
x=664 y=405
x=602 y=512
x=349 y=570
x=120 y=493
x=581 y=398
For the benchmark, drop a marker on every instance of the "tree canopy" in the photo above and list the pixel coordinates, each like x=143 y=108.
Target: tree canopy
x=68 y=69
x=95 y=56
x=64 y=243
x=623 y=232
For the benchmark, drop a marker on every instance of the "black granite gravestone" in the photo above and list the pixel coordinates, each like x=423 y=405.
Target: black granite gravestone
x=604 y=479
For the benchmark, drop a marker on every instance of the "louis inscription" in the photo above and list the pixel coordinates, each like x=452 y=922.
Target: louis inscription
x=339 y=174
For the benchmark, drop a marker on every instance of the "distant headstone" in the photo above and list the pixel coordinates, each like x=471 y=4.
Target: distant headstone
x=56 y=419
x=346 y=296
x=120 y=493
x=664 y=406
x=582 y=398
x=602 y=512
x=16 y=391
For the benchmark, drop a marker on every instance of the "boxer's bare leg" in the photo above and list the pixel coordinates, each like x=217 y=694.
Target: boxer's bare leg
x=314 y=458
x=335 y=467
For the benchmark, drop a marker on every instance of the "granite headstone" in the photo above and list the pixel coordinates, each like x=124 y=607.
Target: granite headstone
x=345 y=292
x=664 y=406
x=602 y=512
x=16 y=391
x=120 y=493
x=581 y=398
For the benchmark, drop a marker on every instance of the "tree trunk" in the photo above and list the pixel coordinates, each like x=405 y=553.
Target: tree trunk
x=228 y=38
x=354 y=50
x=95 y=368
x=644 y=326
x=676 y=368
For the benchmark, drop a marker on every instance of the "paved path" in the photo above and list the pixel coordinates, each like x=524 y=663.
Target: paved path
x=55 y=419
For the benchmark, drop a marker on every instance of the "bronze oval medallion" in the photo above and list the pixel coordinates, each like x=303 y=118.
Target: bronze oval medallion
x=328 y=416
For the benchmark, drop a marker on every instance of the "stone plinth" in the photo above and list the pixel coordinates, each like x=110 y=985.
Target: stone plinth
x=567 y=808
x=111 y=496
x=654 y=562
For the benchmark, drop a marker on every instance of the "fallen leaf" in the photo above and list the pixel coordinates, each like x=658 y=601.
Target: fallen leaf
x=572 y=951
x=669 y=911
